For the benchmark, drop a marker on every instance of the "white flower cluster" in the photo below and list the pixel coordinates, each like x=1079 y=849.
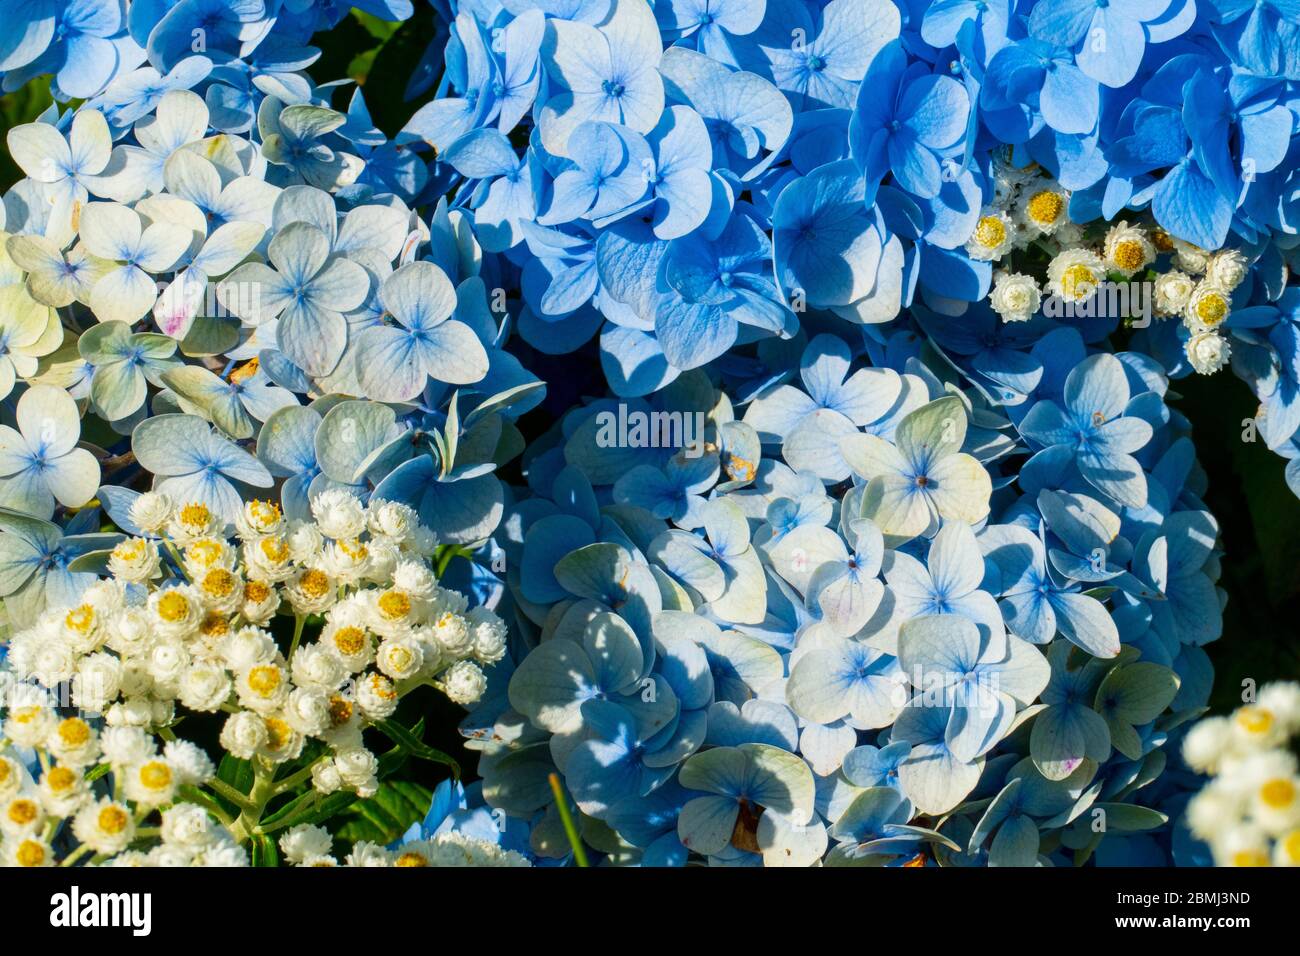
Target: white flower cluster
x=105 y=825
x=183 y=620
x=307 y=845
x=1030 y=208
x=1249 y=812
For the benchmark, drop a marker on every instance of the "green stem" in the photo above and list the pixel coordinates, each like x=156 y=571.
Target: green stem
x=445 y=558
x=300 y=776
x=261 y=794
x=298 y=622
x=566 y=818
x=75 y=855
x=230 y=793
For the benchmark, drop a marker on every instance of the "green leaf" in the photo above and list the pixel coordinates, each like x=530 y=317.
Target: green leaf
x=1138 y=693
x=264 y=851
x=298 y=810
x=384 y=817
x=413 y=745
x=238 y=773
x=1129 y=817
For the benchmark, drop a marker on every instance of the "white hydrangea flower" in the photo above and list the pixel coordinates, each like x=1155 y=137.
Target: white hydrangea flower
x=304 y=542
x=264 y=687
x=187 y=825
x=175 y=612
x=365 y=853
x=311 y=591
x=304 y=841
x=1172 y=291
x=204 y=687
x=106 y=826
x=63 y=791
x=193 y=521
x=258 y=519
x=993 y=237
x=134 y=560
x=28 y=724
x=1207 y=307
x=1207 y=351
x=464 y=682
x=29 y=851
x=73 y=743
x=358 y=769
x=151 y=512
x=1075 y=274
x=339 y=514
x=243 y=734
x=307 y=711
x=97 y=682
x=1189 y=257
x=151 y=783
x=1042 y=208
x=391 y=519
x=399 y=657
x=1015 y=297
x=376 y=696
x=1128 y=249
x=190 y=762
x=1227 y=268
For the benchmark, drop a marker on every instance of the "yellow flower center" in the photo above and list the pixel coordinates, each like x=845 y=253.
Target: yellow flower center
x=1250 y=858
x=132 y=550
x=1255 y=720
x=4 y=770
x=1129 y=255
x=278 y=734
x=990 y=232
x=205 y=552
x=25 y=715
x=394 y=605
x=340 y=711
x=156 y=775
x=196 y=515
x=219 y=583
x=314 y=583
x=350 y=640
x=354 y=549
x=214 y=625
x=1078 y=281
x=112 y=819
x=80 y=619
x=264 y=680
x=256 y=592
x=172 y=607
x=1162 y=240
x=1291 y=846
x=1277 y=794
x=1045 y=207
x=275 y=549
x=382 y=687
x=1211 y=309
x=30 y=853
x=23 y=812
x=60 y=779
x=411 y=859
x=74 y=732
x=400 y=657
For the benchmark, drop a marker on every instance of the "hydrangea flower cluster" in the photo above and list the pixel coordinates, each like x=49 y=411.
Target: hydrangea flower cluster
x=128 y=54
x=876 y=535
x=181 y=626
x=1249 y=812
x=731 y=662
